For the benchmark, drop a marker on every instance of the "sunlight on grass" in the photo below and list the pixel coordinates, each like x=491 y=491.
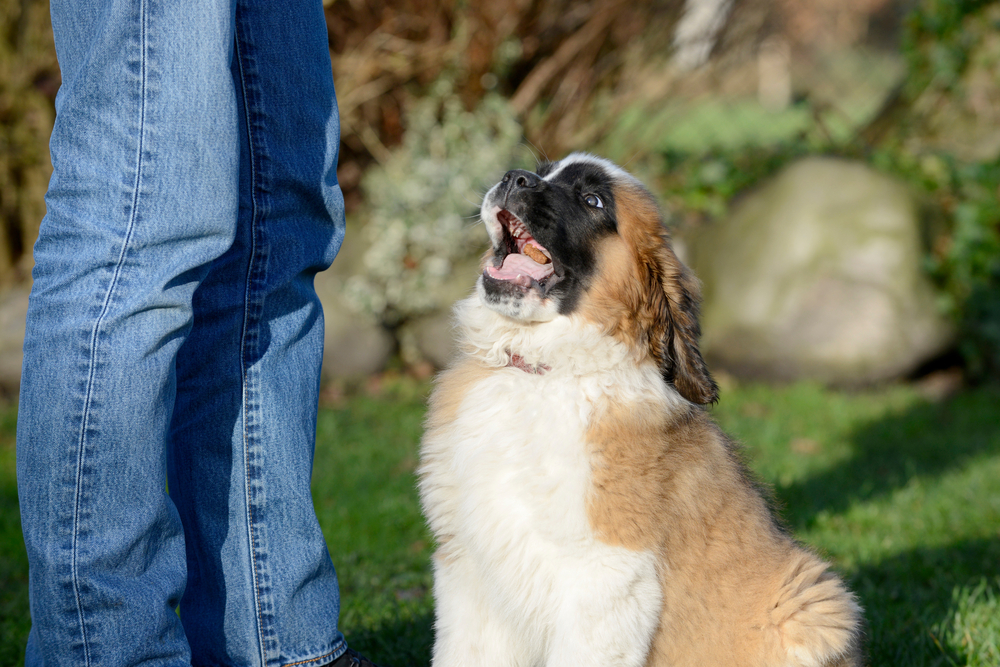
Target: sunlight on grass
x=973 y=623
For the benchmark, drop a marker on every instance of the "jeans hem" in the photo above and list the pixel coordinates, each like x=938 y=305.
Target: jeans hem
x=319 y=661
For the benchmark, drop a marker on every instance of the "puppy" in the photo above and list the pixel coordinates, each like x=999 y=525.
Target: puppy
x=587 y=511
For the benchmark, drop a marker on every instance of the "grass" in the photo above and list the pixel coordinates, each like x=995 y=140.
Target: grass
x=902 y=494
x=14 y=621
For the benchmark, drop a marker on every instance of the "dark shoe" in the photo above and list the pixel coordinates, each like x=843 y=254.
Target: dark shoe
x=352 y=658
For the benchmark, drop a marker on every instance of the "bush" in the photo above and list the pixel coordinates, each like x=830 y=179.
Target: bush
x=953 y=50
x=416 y=198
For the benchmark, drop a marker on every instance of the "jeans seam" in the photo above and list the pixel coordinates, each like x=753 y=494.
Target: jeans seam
x=95 y=333
x=245 y=342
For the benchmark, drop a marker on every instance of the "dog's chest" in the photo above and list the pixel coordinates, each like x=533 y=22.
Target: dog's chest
x=505 y=485
x=519 y=456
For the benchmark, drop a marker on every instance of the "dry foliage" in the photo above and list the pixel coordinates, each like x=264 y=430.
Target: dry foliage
x=547 y=56
x=29 y=78
x=567 y=67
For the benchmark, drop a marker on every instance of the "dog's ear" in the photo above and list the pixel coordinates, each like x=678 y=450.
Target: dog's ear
x=668 y=305
x=678 y=331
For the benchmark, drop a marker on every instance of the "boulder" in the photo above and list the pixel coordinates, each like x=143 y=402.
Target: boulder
x=354 y=345
x=430 y=338
x=13 y=311
x=818 y=275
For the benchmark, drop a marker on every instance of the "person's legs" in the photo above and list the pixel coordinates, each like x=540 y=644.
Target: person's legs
x=143 y=198
x=261 y=587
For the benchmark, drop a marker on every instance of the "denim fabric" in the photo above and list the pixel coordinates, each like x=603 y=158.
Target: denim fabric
x=174 y=339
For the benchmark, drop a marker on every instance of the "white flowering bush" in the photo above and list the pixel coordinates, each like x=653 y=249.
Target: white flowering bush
x=422 y=203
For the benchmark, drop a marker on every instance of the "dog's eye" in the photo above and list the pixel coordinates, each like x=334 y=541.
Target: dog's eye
x=593 y=200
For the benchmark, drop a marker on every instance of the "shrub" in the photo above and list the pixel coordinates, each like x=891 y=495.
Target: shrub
x=414 y=225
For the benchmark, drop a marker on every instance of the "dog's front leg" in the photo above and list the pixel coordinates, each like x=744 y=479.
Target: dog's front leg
x=608 y=618
x=468 y=631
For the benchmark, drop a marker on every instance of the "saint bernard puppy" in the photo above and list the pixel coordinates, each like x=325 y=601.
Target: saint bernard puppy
x=587 y=510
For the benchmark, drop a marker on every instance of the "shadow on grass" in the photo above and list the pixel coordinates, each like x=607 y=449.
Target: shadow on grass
x=14 y=619
x=909 y=598
x=928 y=440
x=401 y=642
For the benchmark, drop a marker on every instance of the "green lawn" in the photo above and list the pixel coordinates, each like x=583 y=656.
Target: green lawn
x=901 y=494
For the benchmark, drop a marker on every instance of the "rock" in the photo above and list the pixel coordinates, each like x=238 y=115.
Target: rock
x=431 y=337
x=356 y=350
x=13 y=311
x=354 y=345
x=434 y=338
x=818 y=275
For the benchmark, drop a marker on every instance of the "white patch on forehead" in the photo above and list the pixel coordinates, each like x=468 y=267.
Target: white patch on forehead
x=608 y=166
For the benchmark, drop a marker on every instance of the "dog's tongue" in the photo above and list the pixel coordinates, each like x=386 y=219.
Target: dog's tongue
x=518 y=268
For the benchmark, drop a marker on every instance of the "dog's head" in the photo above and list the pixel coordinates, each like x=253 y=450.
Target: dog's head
x=582 y=237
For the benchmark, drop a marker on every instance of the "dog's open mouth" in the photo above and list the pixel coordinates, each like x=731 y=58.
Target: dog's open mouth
x=525 y=262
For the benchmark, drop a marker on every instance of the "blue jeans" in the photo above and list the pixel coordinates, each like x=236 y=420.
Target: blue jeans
x=174 y=339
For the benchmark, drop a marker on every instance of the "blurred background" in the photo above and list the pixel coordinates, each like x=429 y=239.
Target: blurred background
x=829 y=168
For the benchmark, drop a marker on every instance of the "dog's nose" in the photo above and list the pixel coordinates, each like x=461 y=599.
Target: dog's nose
x=520 y=178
